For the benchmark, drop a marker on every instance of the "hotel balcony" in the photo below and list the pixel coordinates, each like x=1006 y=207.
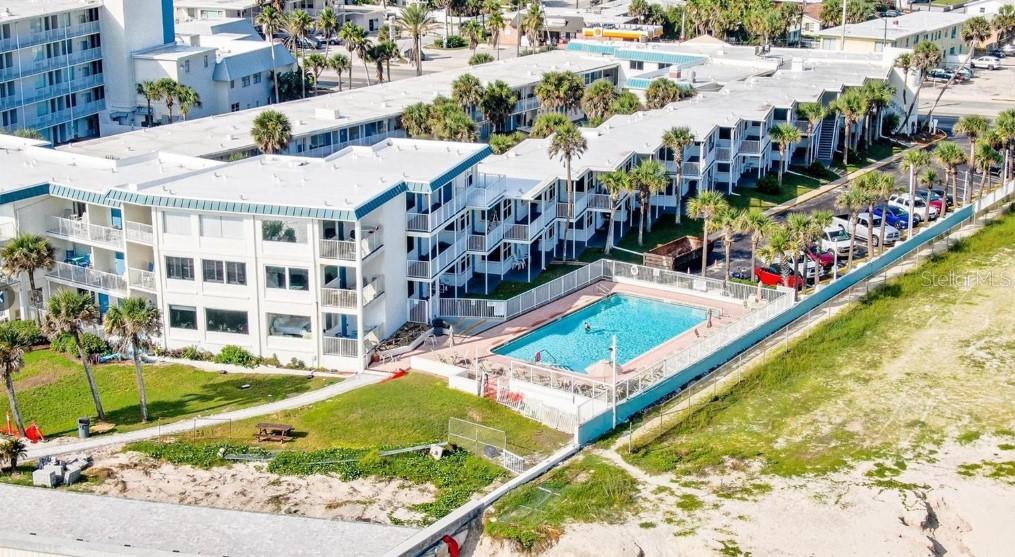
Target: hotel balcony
x=428 y=222
x=750 y=147
x=82 y=232
x=600 y=202
x=581 y=202
x=139 y=232
x=348 y=298
x=352 y=250
x=50 y=35
x=142 y=280
x=86 y=277
x=349 y=347
x=67 y=114
x=526 y=232
x=489 y=190
x=429 y=268
x=483 y=243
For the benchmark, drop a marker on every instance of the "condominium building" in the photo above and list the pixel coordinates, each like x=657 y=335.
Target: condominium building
x=941 y=28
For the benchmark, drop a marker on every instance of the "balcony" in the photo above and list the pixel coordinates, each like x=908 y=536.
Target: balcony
x=428 y=269
x=67 y=114
x=526 y=232
x=600 y=202
x=724 y=154
x=341 y=346
x=750 y=147
x=352 y=250
x=373 y=139
x=80 y=231
x=428 y=222
x=489 y=190
x=49 y=35
x=141 y=279
x=139 y=232
x=54 y=62
x=525 y=105
x=483 y=243
x=343 y=298
x=581 y=202
x=89 y=278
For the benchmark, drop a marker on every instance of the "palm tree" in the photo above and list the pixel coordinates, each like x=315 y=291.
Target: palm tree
x=777 y=244
x=134 y=322
x=151 y=92
x=904 y=62
x=728 y=221
x=926 y=56
x=495 y=23
x=661 y=92
x=869 y=184
x=340 y=63
x=852 y=106
x=799 y=227
x=188 y=98
x=532 y=25
x=950 y=156
x=316 y=62
x=327 y=26
x=703 y=206
x=617 y=183
x=648 y=179
x=784 y=135
x=356 y=41
x=12 y=449
x=877 y=94
x=416 y=119
x=467 y=91
x=677 y=140
x=473 y=32
x=975 y=31
x=270 y=21
x=546 y=124
x=27 y=253
x=626 y=103
x=12 y=352
x=381 y=54
x=820 y=220
x=416 y=20
x=814 y=113
x=499 y=99
x=986 y=158
x=755 y=222
x=972 y=126
x=559 y=91
x=272 y=131
x=298 y=24
x=912 y=161
x=568 y=143
x=69 y=312
x=597 y=99
x=882 y=189
x=853 y=200
x=1004 y=127
x=168 y=91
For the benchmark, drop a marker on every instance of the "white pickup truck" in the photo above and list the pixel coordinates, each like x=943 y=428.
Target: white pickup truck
x=864 y=226
x=837 y=239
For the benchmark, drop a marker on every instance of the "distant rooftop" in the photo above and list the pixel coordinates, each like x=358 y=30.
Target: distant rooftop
x=895 y=27
x=18 y=9
x=216 y=4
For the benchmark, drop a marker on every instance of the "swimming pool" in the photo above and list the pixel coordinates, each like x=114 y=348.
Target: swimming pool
x=640 y=324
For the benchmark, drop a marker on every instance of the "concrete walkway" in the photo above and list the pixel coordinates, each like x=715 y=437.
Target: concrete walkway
x=189 y=424
x=65 y=523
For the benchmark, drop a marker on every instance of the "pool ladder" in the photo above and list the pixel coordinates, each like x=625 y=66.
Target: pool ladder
x=554 y=363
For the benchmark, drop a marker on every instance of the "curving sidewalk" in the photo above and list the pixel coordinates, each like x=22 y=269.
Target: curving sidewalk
x=189 y=424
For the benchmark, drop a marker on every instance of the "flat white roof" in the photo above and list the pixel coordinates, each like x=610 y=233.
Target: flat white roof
x=216 y=4
x=895 y=27
x=231 y=132
x=18 y=9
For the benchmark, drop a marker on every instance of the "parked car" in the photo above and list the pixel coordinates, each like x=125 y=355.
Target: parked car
x=963 y=74
x=939 y=74
x=917 y=205
x=940 y=193
x=986 y=62
x=332 y=40
x=1008 y=49
x=823 y=258
x=836 y=238
x=890 y=13
x=772 y=276
x=867 y=225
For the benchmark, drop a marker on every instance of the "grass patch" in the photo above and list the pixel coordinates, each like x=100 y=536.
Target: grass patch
x=967 y=437
x=22 y=475
x=588 y=489
x=53 y=392
x=811 y=408
x=511 y=288
x=1003 y=471
x=689 y=502
x=646 y=525
x=664 y=230
x=743 y=492
x=793 y=186
x=877 y=151
x=408 y=411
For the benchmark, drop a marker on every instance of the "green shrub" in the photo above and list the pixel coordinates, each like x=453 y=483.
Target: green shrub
x=296 y=363
x=194 y=353
x=63 y=344
x=502 y=142
x=769 y=184
x=236 y=355
x=192 y=454
x=480 y=58
x=29 y=331
x=94 y=344
x=454 y=41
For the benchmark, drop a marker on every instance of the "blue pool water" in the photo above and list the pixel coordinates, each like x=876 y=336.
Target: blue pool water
x=638 y=323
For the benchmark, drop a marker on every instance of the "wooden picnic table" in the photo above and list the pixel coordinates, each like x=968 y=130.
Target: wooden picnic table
x=274 y=432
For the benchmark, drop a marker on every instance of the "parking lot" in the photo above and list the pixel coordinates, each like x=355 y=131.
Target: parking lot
x=988 y=93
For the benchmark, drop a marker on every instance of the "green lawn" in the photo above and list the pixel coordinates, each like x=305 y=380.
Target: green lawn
x=589 y=489
x=857 y=387
x=406 y=411
x=510 y=288
x=876 y=152
x=664 y=230
x=53 y=392
x=793 y=186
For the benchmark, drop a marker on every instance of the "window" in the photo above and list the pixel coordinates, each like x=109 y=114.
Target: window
x=235 y=107
x=186 y=66
x=281 y=231
x=257 y=77
x=226 y=321
x=206 y=60
x=232 y=84
x=182 y=317
x=236 y=273
x=246 y=81
x=214 y=271
x=176 y=223
x=637 y=65
x=225 y=272
x=280 y=325
x=221 y=227
x=179 y=268
x=286 y=279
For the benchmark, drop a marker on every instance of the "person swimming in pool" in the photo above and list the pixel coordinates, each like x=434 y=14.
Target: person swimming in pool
x=588 y=327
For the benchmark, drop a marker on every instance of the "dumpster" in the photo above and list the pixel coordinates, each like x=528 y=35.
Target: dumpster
x=83 y=427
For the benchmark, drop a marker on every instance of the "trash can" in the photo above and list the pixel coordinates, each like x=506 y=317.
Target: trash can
x=83 y=424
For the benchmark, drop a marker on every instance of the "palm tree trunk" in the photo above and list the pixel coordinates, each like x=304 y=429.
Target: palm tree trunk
x=754 y=258
x=274 y=66
x=31 y=294
x=679 y=190
x=796 y=276
x=912 y=201
x=704 y=246
x=845 y=147
x=728 y=247
x=881 y=234
x=350 y=69
x=782 y=162
x=955 y=185
x=641 y=224
x=139 y=378
x=852 y=242
x=870 y=233
x=91 y=378
x=810 y=140
x=12 y=402
x=609 y=231
x=951 y=80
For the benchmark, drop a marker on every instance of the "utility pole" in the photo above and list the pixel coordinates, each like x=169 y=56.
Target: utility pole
x=842 y=42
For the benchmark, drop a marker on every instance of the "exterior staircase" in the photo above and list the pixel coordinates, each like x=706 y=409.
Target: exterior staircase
x=827 y=138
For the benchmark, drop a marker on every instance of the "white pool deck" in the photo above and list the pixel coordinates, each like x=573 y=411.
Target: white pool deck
x=481 y=345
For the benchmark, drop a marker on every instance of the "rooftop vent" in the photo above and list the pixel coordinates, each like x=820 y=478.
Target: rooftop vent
x=327 y=113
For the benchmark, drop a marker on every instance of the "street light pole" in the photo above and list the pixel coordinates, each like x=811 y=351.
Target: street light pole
x=842 y=42
x=613 y=366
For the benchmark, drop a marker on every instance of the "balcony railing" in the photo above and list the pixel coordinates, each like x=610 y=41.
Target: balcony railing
x=428 y=269
x=527 y=232
x=750 y=147
x=67 y=114
x=339 y=298
x=489 y=190
x=84 y=232
x=526 y=105
x=724 y=154
x=351 y=250
x=141 y=279
x=581 y=202
x=428 y=222
x=139 y=232
x=600 y=202
x=483 y=243
x=49 y=35
x=54 y=62
x=87 y=277
x=341 y=346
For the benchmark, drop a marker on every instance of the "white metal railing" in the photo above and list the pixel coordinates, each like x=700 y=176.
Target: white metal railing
x=139 y=232
x=526 y=105
x=427 y=222
x=689 y=169
x=526 y=232
x=88 y=277
x=750 y=147
x=486 y=242
x=581 y=202
x=419 y=310
x=489 y=189
x=350 y=250
x=371 y=338
x=428 y=269
x=372 y=290
x=600 y=202
x=82 y=231
x=341 y=346
x=724 y=154
x=339 y=298
x=558 y=380
x=139 y=278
